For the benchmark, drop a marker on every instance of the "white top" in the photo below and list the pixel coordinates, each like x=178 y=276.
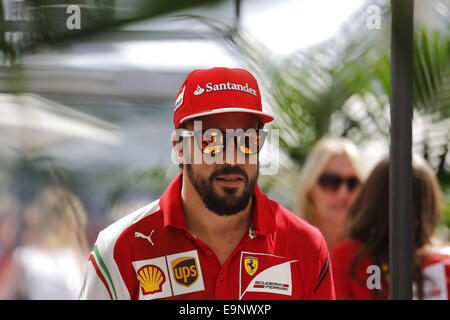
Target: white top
x=50 y=274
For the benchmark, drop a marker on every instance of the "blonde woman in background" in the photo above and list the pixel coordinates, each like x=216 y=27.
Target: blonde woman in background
x=51 y=263
x=329 y=181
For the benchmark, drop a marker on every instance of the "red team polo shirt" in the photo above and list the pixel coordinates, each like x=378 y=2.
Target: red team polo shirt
x=150 y=254
x=435 y=268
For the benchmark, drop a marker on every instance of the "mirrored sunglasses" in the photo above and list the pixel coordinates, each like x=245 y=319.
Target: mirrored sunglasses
x=214 y=141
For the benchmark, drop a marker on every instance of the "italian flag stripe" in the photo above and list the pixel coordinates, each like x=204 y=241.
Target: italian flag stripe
x=100 y=275
x=105 y=269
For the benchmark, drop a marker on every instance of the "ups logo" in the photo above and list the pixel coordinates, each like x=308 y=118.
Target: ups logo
x=185 y=271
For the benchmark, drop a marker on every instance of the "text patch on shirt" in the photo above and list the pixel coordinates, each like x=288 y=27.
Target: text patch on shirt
x=261 y=272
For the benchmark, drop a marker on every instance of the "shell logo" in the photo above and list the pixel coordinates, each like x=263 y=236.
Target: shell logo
x=151 y=279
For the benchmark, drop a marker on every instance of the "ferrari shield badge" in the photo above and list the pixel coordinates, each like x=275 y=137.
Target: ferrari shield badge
x=251 y=265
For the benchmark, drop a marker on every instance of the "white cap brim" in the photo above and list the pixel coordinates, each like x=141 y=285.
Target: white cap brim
x=261 y=115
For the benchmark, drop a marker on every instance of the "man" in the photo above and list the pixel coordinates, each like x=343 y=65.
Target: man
x=213 y=234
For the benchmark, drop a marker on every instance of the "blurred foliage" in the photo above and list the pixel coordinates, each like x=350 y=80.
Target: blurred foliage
x=28 y=24
x=446 y=214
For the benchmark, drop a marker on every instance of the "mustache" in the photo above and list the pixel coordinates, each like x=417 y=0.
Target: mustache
x=228 y=169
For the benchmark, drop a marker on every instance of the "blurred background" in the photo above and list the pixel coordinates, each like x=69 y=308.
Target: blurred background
x=87 y=91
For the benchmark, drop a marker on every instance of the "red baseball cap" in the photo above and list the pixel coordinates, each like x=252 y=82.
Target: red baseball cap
x=218 y=90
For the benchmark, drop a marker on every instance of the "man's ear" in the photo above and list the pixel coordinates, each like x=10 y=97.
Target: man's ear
x=178 y=147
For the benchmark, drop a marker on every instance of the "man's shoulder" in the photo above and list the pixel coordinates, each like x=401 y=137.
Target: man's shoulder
x=109 y=236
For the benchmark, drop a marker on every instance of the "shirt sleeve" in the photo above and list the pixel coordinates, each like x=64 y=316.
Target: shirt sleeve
x=323 y=288
x=102 y=278
x=94 y=286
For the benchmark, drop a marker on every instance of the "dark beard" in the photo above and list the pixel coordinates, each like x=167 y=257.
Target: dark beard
x=230 y=203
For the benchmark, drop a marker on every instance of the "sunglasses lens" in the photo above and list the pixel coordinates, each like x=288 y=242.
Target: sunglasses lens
x=249 y=142
x=212 y=142
x=330 y=181
x=352 y=183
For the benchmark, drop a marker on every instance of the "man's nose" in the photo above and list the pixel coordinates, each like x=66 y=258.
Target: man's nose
x=232 y=156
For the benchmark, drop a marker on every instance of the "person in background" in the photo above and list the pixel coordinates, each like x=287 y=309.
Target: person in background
x=10 y=210
x=367 y=234
x=51 y=263
x=329 y=181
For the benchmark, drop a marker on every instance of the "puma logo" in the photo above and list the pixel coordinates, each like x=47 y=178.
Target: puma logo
x=140 y=235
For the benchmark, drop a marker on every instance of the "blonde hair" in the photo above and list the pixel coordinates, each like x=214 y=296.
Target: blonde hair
x=314 y=165
x=60 y=219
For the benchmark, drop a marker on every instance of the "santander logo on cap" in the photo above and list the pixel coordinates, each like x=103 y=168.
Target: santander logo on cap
x=210 y=87
x=199 y=90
